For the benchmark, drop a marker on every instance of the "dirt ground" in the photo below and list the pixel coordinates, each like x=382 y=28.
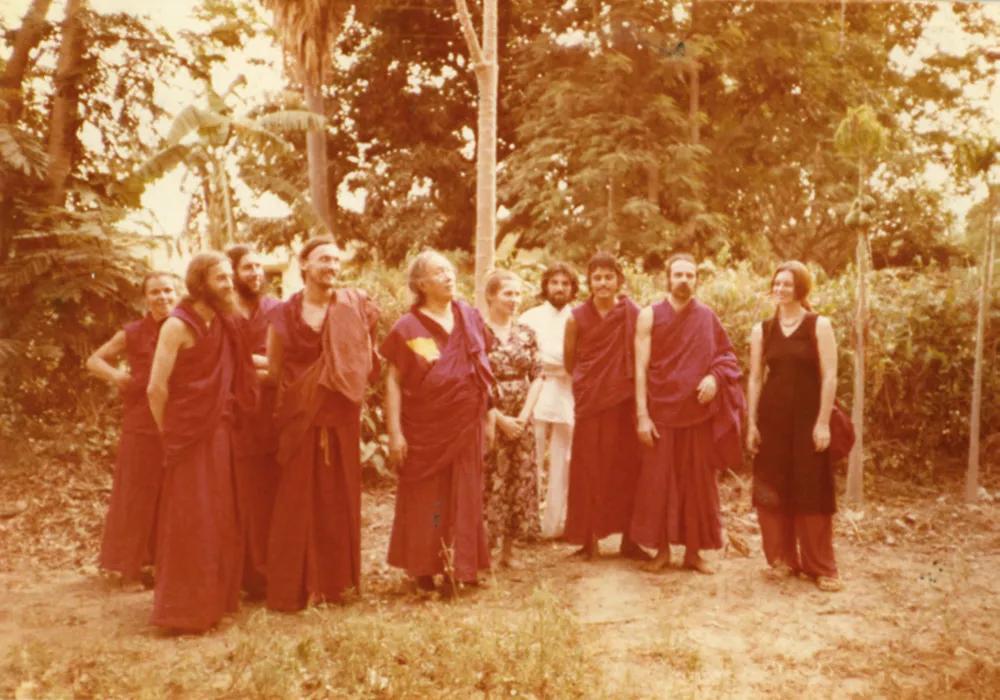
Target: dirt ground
x=919 y=616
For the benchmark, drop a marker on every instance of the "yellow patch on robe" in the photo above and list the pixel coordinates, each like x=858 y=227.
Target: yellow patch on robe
x=425 y=347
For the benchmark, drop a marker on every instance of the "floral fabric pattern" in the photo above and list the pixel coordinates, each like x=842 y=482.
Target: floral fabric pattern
x=511 y=477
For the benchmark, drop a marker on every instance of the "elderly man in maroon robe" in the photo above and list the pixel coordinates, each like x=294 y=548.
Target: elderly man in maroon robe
x=320 y=354
x=604 y=461
x=689 y=410
x=130 y=527
x=254 y=440
x=436 y=402
x=200 y=372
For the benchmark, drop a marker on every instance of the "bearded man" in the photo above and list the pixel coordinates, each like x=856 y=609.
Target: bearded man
x=321 y=355
x=689 y=408
x=200 y=373
x=254 y=440
x=553 y=414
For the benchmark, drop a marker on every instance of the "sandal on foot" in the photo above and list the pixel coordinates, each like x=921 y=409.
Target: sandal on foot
x=829 y=584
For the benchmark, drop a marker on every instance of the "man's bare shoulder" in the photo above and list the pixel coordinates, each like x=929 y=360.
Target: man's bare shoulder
x=175 y=332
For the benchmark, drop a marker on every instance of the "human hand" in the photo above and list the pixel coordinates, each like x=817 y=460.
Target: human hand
x=647 y=431
x=821 y=436
x=511 y=427
x=707 y=388
x=397 y=448
x=753 y=438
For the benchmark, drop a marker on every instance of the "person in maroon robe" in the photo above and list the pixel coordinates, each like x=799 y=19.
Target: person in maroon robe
x=604 y=461
x=436 y=402
x=254 y=439
x=689 y=409
x=129 y=537
x=200 y=373
x=321 y=356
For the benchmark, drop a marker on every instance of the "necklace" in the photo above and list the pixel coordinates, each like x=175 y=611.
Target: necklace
x=792 y=322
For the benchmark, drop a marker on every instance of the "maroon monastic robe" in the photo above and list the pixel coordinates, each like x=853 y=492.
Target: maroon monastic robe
x=604 y=461
x=677 y=499
x=445 y=378
x=130 y=527
x=199 y=548
x=254 y=444
x=314 y=550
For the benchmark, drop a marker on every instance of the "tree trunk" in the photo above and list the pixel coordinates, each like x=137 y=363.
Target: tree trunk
x=319 y=188
x=694 y=98
x=25 y=40
x=65 y=120
x=485 y=64
x=855 y=462
x=972 y=471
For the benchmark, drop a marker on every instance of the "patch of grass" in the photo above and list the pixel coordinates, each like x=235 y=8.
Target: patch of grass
x=461 y=650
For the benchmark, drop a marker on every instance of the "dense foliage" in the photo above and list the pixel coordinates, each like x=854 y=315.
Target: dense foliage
x=636 y=125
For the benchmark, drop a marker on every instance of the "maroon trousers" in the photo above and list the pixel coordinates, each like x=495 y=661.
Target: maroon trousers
x=803 y=542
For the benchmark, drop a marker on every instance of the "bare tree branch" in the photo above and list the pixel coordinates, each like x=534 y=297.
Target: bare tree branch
x=469 y=32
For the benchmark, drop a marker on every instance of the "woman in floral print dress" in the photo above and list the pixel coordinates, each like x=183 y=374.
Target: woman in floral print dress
x=511 y=476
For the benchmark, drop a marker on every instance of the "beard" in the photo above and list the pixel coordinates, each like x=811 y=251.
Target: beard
x=682 y=291
x=557 y=300
x=250 y=296
x=221 y=302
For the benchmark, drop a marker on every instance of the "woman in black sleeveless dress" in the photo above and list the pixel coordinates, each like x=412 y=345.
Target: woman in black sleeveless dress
x=789 y=431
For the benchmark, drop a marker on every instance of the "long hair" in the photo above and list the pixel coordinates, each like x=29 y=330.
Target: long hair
x=802 y=281
x=801 y=285
x=195 y=279
x=560 y=268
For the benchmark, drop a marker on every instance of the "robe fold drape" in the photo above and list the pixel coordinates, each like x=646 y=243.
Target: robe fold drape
x=314 y=550
x=604 y=461
x=677 y=499
x=438 y=525
x=199 y=547
x=129 y=540
x=255 y=444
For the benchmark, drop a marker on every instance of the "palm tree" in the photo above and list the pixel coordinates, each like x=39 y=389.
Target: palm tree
x=976 y=157
x=859 y=138
x=308 y=29
x=217 y=133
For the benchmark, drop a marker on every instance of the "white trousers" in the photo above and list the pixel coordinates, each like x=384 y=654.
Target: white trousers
x=554 y=514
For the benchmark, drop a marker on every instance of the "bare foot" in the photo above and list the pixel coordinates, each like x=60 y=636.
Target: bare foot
x=698 y=564
x=779 y=571
x=588 y=551
x=659 y=563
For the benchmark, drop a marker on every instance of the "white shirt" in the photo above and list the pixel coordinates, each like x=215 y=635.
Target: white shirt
x=555 y=401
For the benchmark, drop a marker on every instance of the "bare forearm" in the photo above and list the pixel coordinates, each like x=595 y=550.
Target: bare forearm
x=753 y=398
x=104 y=370
x=157 y=397
x=529 y=403
x=828 y=390
x=393 y=408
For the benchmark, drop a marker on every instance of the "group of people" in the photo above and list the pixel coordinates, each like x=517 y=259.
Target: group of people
x=238 y=470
